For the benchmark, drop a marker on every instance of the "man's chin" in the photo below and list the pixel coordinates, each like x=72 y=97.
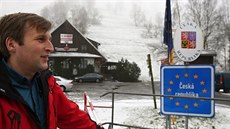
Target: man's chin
x=44 y=67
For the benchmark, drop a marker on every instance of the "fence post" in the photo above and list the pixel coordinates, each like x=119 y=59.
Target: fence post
x=86 y=97
x=112 y=110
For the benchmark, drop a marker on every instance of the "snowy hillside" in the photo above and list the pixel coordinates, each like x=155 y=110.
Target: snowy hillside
x=120 y=38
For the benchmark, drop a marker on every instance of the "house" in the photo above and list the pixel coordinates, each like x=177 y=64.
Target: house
x=74 y=54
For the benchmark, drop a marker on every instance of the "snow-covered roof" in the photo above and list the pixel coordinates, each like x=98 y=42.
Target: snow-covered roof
x=208 y=53
x=73 y=54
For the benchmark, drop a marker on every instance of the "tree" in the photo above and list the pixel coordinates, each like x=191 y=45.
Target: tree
x=212 y=17
x=176 y=13
x=56 y=13
x=80 y=16
x=137 y=15
x=148 y=30
x=80 y=19
x=205 y=13
x=226 y=33
x=126 y=71
x=93 y=13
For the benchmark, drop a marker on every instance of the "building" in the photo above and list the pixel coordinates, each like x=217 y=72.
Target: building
x=206 y=57
x=74 y=54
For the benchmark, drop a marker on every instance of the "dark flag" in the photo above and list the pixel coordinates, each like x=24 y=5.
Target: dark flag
x=168 y=29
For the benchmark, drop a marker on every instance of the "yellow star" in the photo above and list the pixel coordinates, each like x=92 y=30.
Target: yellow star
x=177 y=103
x=195 y=104
x=169 y=89
x=177 y=76
x=204 y=90
x=171 y=82
x=186 y=106
x=202 y=82
x=171 y=98
x=195 y=76
x=186 y=75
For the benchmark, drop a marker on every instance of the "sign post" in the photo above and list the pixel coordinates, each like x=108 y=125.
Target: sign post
x=192 y=80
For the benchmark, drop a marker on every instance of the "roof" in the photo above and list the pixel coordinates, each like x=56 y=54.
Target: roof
x=73 y=54
x=87 y=39
x=208 y=53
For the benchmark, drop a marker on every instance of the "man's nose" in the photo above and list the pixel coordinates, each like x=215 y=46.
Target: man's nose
x=50 y=46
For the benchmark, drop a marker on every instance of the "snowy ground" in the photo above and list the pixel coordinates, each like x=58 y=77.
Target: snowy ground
x=141 y=112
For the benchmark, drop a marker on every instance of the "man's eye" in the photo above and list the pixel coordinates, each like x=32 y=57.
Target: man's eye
x=40 y=40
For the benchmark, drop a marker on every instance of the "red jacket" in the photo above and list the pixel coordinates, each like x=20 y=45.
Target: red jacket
x=61 y=112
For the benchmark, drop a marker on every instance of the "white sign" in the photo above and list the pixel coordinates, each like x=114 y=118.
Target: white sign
x=188 y=41
x=66 y=38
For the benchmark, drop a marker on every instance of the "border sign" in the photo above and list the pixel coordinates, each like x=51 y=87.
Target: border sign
x=191 y=80
x=188 y=41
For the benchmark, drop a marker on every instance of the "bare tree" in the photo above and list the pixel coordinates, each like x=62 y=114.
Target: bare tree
x=81 y=16
x=213 y=19
x=226 y=8
x=80 y=19
x=137 y=15
x=93 y=12
x=57 y=12
x=148 y=28
x=205 y=13
x=226 y=32
x=176 y=13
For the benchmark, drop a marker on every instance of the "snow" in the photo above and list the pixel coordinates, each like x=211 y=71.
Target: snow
x=118 y=32
x=143 y=114
x=120 y=38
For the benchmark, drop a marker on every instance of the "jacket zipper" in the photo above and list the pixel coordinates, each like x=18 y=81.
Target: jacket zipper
x=15 y=119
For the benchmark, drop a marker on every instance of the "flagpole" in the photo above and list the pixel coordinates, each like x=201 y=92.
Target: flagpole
x=168 y=29
x=168 y=42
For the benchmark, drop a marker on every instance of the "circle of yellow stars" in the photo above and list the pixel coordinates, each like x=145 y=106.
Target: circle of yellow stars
x=186 y=75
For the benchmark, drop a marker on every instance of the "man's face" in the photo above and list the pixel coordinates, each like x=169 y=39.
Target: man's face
x=32 y=56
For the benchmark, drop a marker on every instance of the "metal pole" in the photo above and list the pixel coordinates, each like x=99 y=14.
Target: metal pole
x=169 y=117
x=112 y=110
x=188 y=97
x=166 y=117
x=168 y=121
x=186 y=122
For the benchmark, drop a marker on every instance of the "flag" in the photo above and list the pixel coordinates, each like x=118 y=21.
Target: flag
x=168 y=30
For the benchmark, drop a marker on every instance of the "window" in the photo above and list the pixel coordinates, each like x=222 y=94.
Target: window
x=83 y=47
x=65 y=64
x=83 y=64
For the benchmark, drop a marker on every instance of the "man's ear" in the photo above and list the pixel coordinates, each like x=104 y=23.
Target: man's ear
x=10 y=44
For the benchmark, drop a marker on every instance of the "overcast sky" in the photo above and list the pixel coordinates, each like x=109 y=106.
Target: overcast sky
x=11 y=6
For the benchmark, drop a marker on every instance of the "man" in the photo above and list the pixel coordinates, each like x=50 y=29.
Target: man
x=29 y=95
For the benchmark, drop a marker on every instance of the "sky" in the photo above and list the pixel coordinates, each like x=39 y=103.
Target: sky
x=10 y=6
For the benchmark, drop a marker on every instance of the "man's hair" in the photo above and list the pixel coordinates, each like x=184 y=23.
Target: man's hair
x=14 y=26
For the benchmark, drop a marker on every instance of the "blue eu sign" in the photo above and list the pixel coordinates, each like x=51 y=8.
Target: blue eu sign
x=192 y=80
